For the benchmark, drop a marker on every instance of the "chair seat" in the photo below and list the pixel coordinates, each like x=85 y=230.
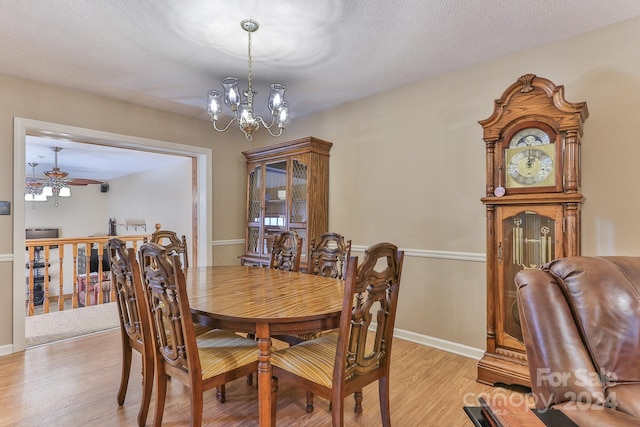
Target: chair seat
x=198 y=329
x=223 y=351
x=312 y=360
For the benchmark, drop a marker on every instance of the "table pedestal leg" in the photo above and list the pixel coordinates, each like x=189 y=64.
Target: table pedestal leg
x=264 y=375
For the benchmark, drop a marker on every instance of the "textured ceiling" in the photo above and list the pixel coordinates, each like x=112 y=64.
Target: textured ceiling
x=167 y=54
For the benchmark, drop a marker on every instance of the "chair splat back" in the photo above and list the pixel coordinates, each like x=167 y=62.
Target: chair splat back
x=285 y=254
x=329 y=257
x=375 y=290
x=165 y=294
x=121 y=277
x=174 y=245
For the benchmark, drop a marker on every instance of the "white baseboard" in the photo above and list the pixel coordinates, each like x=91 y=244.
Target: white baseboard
x=451 y=347
x=6 y=349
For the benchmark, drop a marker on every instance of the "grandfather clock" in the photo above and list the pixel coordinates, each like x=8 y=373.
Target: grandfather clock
x=533 y=203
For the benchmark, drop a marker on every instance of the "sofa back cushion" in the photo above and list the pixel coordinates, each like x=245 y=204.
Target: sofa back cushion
x=603 y=294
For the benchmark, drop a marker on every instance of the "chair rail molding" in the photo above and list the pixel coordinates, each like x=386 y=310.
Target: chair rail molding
x=427 y=253
x=417 y=253
x=228 y=242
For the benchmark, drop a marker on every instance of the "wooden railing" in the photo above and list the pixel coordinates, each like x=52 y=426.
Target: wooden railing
x=61 y=256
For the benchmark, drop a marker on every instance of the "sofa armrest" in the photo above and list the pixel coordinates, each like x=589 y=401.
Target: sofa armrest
x=560 y=365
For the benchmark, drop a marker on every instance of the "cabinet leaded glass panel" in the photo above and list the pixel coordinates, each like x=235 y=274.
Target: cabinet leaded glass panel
x=299 y=192
x=254 y=209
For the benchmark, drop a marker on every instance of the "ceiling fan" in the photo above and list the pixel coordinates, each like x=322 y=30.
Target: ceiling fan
x=55 y=182
x=57 y=174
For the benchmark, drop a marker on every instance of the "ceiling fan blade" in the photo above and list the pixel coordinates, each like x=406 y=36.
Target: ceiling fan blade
x=35 y=179
x=83 y=181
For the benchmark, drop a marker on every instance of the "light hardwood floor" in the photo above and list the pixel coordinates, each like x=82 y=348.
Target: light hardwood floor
x=74 y=383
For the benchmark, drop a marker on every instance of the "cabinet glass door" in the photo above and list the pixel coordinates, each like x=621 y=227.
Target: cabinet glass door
x=298 y=213
x=276 y=195
x=254 y=211
x=298 y=192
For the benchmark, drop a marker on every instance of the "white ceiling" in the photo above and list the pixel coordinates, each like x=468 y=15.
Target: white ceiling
x=91 y=161
x=167 y=54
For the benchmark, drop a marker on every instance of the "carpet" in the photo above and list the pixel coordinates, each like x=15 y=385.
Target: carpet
x=60 y=325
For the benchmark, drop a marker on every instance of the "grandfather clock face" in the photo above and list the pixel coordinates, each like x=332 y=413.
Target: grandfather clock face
x=530 y=160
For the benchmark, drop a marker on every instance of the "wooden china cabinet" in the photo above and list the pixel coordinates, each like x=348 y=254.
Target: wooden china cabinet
x=287 y=189
x=533 y=201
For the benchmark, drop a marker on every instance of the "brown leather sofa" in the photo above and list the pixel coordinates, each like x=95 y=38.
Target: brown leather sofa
x=580 y=319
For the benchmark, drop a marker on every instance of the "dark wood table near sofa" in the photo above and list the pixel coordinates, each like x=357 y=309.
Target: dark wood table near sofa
x=502 y=412
x=266 y=302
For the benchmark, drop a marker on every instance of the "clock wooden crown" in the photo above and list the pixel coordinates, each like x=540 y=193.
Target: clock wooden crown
x=535 y=102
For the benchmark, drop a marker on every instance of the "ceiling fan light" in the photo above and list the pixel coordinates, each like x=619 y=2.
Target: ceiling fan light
x=47 y=190
x=28 y=197
x=65 y=192
x=40 y=197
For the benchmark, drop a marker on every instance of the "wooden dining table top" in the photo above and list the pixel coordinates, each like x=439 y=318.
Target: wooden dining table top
x=265 y=302
x=262 y=294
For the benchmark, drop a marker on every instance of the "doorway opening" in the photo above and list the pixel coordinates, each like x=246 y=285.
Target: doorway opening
x=200 y=190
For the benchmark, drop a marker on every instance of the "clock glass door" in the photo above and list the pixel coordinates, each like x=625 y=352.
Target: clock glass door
x=531 y=237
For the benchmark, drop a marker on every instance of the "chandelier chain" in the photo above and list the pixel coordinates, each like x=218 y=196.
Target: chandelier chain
x=250 y=65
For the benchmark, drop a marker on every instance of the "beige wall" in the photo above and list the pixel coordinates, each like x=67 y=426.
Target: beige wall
x=407 y=166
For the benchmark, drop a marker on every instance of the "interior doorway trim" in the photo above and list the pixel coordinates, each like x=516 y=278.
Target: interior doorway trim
x=21 y=127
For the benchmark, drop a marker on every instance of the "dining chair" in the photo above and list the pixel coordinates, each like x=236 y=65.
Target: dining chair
x=328 y=258
x=199 y=362
x=170 y=241
x=359 y=352
x=285 y=252
x=285 y=256
x=132 y=329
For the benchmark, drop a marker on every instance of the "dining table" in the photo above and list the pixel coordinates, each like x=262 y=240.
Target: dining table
x=265 y=302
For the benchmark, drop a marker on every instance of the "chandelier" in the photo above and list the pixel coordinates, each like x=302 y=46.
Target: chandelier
x=242 y=109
